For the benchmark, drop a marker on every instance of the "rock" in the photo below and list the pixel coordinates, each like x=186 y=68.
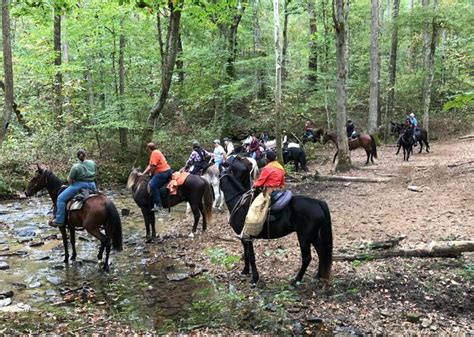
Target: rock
x=177 y=276
x=19 y=307
x=314 y=319
x=6 y=294
x=293 y=310
x=426 y=322
x=34 y=285
x=4 y=265
x=24 y=239
x=25 y=232
x=271 y=307
x=4 y=248
x=413 y=317
x=6 y=302
x=385 y=313
x=36 y=243
x=298 y=328
x=125 y=211
x=54 y=280
x=414 y=188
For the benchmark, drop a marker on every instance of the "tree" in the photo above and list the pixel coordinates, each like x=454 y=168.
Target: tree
x=313 y=47
x=374 y=68
x=429 y=44
x=284 y=51
x=258 y=50
x=58 y=77
x=340 y=12
x=392 y=68
x=8 y=70
x=122 y=131
x=278 y=56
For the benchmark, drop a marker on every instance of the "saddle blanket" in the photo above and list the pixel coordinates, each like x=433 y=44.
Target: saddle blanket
x=177 y=179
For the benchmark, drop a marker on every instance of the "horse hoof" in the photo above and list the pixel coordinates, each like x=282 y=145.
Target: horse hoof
x=244 y=273
x=148 y=240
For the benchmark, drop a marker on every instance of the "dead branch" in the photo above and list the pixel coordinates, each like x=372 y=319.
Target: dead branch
x=353 y=179
x=386 y=244
x=448 y=249
x=466 y=137
x=460 y=164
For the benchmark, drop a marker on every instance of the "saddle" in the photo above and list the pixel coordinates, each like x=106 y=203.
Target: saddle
x=177 y=179
x=77 y=201
x=279 y=201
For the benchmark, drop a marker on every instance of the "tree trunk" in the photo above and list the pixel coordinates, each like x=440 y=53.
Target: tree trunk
x=278 y=61
x=313 y=47
x=7 y=69
x=58 y=78
x=231 y=35
x=169 y=60
x=392 y=69
x=65 y=59
x=374 y=69
x=340 y=22
x=123 y=132
x=258 y=52
x=284 y=62
x=179 y=62
x=430 y=48
x=326 y=62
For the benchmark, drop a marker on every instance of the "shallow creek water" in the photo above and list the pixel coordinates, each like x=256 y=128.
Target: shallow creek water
x=146 y=286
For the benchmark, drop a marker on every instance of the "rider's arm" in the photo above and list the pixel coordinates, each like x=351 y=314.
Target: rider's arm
x=262 y=179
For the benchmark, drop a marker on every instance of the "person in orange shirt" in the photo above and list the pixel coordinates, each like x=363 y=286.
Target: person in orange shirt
x=160 y=172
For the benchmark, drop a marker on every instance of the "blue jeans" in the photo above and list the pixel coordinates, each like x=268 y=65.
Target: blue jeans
x=253 y=155
x=67 y=195
x=156 y=183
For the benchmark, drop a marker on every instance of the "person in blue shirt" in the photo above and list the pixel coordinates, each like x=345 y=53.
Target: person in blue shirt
x=413 y=125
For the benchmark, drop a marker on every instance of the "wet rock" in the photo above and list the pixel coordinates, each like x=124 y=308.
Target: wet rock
x=50 y=292
x=426 y=322
x=35 y=284
x=19 y=307
x=177 y=276
x=413 y=317
x=294 y=310
x=125 y=211
x=58 y=267
x=4 y=265
x=415 y=188
x=6 y=302
x=19 y=285
x=385 y=313
x=54 y=280
x=6 y=294
x=24 y=239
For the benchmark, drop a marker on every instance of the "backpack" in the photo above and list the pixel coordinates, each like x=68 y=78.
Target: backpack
x=203 y=155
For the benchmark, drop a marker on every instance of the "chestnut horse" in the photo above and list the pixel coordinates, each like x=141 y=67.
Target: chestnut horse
x=98 y=211
x=363 y=140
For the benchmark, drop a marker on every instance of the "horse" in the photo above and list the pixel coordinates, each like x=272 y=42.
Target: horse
x=406 y=141
x=296 y=155
x=312 y=135
x=97 y=211
x=211 y=174
x=309 y=218
x=242 y=168
x=196 y=190
x=421 y=135
x=363 y=140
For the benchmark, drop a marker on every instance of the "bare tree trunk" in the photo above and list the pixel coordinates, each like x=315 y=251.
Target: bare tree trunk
x=179 y=62
x=313 y=47
x=278 y=61
x=392 y=69
x=326 y=62
x=231 y=35
x=123 y=132
x=170 y=51
x=374 y=69
x=258 y=51
x=284 y=62
x=58 y=78
x=340 y=22
x=430 y=48
x=7 y=69
x=65 y=60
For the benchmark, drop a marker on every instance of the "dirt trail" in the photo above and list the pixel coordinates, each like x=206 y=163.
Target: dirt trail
x=377 y=296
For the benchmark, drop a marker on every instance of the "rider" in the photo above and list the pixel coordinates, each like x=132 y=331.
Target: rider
x=219 y=152
x=308 y=129
x=271 y=179
x=229 y=146
x=264 y=137
x=160 y=172
x=82 y=175
x=350 y=129
x=254 y=148
x=413 y=125
x=284 y=141
x=197 y=159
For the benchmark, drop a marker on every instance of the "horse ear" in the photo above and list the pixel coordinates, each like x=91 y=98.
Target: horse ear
x=40 y=169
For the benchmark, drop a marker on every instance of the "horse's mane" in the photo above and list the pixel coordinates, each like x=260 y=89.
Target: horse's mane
x=135 y=177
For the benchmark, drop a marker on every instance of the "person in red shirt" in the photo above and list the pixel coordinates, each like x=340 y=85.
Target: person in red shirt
x=160 y=172
x=272 y=177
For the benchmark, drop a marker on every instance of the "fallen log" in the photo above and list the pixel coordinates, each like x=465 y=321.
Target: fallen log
x=460 y=164
x=353 y=179
x=386 y=244
x=448 y=249
x=466 y=137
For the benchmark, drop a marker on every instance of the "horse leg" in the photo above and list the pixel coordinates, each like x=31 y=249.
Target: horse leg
x=398 y=151
x=335 y=155
x=421 y=146
x=204 y=220
x=305 y=248
x=251 y=256
x=427 y=145
x=146 y=219
x=296 y=165
x=103 y=242
x=72 y=234
x=196 y=213
x=368 y=157
x=246 y=269
x=64 y=237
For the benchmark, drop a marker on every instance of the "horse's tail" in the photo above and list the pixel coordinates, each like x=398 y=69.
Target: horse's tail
x=373 y=144
x=325 y=242
x=113 y=225
x=208 y=199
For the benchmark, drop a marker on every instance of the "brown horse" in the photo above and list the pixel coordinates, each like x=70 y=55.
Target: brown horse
x=98 y=211
x=363 y=140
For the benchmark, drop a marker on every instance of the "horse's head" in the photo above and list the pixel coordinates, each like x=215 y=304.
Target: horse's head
x=326 y=138
x=133 y=177
x=38 y=182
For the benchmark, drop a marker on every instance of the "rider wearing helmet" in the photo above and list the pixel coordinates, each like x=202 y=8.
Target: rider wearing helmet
x=198 y=158
x=413 y=125
x=350 y=129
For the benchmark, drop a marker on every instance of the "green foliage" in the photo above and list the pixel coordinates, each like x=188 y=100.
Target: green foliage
x=220 y=257
x=462 y=101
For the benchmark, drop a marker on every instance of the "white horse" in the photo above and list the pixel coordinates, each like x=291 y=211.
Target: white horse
x=212 y=176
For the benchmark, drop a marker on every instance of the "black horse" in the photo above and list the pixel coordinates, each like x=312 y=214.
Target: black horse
x=97 y=212
x=421 y=135
x=195 y=190
x=406 y=141
x=297 y=156
x=312 y=135
x=309 y=218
